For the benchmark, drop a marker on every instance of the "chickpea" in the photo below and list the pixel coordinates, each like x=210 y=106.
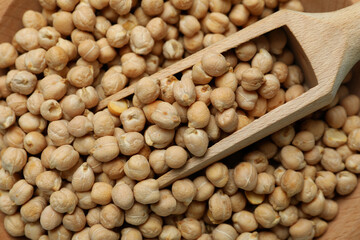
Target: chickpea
x=205 y=189
x=266 y=216
x=292 y=158
x=111 y=216
x=196 y=141
x=239 y=16
x=141 y=41
x=199 y=76
x=288 y=216
x=184 y=191
x=292 y=182
x=48 y=37
x=98 y=232
x=184 y=90
x=63 y=22
x=280 y=70
x=284 y=136
x=169 y=232
x=196 y=210
x=147 y=191
x=137 y=214
x=26 y=39
x=34 y=142
x=190 y=228
x=56 y=58
x=351 y=123
x=158 y=137
x=219 y=207
x=157 y=161
x=17 y=102
x=227 y=120
x=302 y=229
x=131 y=233
x=14 y=225
x=34 y=61
x=133 y=120
x=8 y=54
x=165 y=116
x=320 y=226
x=105 y=149
x=279 y=199
x=157 y=28
x=13 y=159
x=152 y=227
x=332 y=160
x=295 y=76
x=58 y=133
x=166 y=89
x=244 y=221
x=21 y=192
x=175 y=156
x=265 y=183
x=214 y=64
x=101 y=193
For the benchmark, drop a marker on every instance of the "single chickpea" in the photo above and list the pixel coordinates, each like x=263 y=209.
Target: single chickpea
x=216 y=22
x=196 y=210
x=292 y=182
x=219 y=207
x=147 y=191
x=165 y=116
x=351 y=123
x=295 y=76
x=320 y=226
x=98 y=232
x=194 y=43
x=137 y=167
x=21 y=192
x=83 y=178
x=224 y=231
x=85 y=201
x=169 y=232
x=152 y=227
x=93 y=216
x=63 y=158
x=280 y=70
x=147 y=90
x=105 y=149
x=244 y=221
x=13 y=159
x=166 y=89
x=52 y=87
x=17 y=102
x=265 y=183
x=107 y=52
x=88 y=96
x=189 y=25
x=212 y=38
x=302 y=229
x=14 y=225
x=50 y=218
x=326 y=181
x=133 y=120
x=166 y=204
x=248 y=236
x=33 y=230
x=184 y=191
x=227 y=80
x=175 y=156
x=258 y=160
x=8 y=55
x=113 y=80
x=203 y=93
x=255 y=7
x=137 y=214
x=308 y=192
x=189 y=228
x=214 y=64
x=198 y=115
x=222 y=98
x=196 y=141
x=351 y=104
x=182 y=4
x=32 y=169
x=289 y=216
x=79 y=126
x=56 y=58
x=7 y=180
x=141 y=41
x=205 y=189
x=199 y=76
x=346 y=182
x=101 y=193
x=75 y=221
x=157 y=161
x=111 y=216
x=173 y=49
x=101 y=26
x=158 y=137
x=133 y=65
x=284 y=136
x=120 y=7
x=330 y=211
x=266 y=216
x=152 y=7
x=252 y=79
x=227 y=120
x=245 y=176
x=63 y=22
x=115 y=168
x=84 y=19
x=48 y=37
x=279 y=199
x=292 y=158
x=14 y=137
x=34 y=143
x=23 y=82
x=34 y=61
x=130 y=143
x=332 y=160
x=103 y=124
x=131 y=233
x=89 y=50
x=58 y=133
x=239 y=15
x=26 y=39
x=245 y=51
x=184 y=90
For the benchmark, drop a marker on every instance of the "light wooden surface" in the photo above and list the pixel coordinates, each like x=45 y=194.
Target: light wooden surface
x=346 y=225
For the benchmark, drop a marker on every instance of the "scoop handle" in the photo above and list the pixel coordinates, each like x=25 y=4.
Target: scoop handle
x=348 y=21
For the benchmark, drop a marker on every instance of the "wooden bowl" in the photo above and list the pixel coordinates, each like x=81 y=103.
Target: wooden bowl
x=345 y=225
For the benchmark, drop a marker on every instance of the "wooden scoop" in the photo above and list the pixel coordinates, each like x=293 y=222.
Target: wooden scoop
x=327 y=46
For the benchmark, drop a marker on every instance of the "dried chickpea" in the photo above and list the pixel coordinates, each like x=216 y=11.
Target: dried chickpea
x=133 y=120
x=214 y=64
x=98 y=232
x=8 y=55
x=137 y=214
x=346 y=182
x=131 y=233
x=199 y=76
x=26 y=39
x=175 y=156
x=147 y=192
x=58 y=133
x=184 y=90
x=205 y=189
x=137 y=167
x=141 y=41
x=32 y=19
x=105 y=149
x=279 y=199
x=158 y=137
x=320 y=226
x=184 y=191
x=169 y=232
x=13 y=159
x=302 y=229
x=34 y=143
x=316 y=206
x=265 y=183
x=157 y=161
x=292 y=182
x=292 y=158
x=166 y=204
x=219 y=207
x=295 y=76
x=332 y=160
x=14 y=225
x=21 y=192
x=101 y=193
x=34 y=61
x=152 y=227
x=280 y=70
x=189 y=228
x=351 y=104
x=196 y=141
x=56 y=58
x=244 y=221
x=111 y=216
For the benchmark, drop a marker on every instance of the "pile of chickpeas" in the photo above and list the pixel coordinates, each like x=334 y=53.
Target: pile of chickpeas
x=68 y=172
